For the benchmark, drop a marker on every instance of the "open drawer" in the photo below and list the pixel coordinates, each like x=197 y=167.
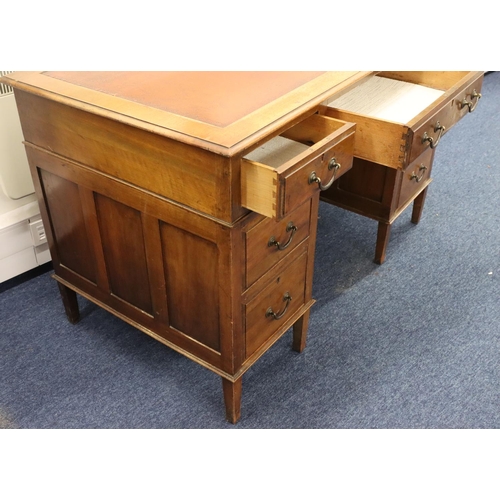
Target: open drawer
x=400 y=114
x=282 y=173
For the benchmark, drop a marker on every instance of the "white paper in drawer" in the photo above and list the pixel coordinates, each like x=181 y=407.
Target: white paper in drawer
x=387 y=99
x=276 y=151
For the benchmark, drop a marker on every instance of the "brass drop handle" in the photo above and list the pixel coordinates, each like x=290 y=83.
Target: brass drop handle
x=470 y=104
x=286 y=298
x=290 y=228
x=415 y=177
x=332 y=165
x=434 y=142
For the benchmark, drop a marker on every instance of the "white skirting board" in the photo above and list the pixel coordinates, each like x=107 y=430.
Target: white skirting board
x=23 y=245
x=18 y=253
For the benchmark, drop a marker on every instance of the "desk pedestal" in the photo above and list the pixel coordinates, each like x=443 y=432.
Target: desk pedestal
x=383 y=193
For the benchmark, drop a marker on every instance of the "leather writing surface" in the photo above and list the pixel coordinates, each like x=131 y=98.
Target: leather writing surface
x=298 y=93
x=218 y=98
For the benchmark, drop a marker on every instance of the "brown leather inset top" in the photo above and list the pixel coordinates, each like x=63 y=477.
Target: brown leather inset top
x=217 y=98
x=224 y=112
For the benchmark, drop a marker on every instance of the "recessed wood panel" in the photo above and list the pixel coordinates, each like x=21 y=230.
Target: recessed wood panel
x=68 y=224
x=365 y=179
x=123 y=246
x=191 y=268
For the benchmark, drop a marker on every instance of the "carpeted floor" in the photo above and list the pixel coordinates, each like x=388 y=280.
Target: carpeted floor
x=413 y=343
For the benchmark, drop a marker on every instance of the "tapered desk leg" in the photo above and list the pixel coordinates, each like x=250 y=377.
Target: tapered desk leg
x=232 y=399
x=418 y=206
x=70 y=303
x=383 y=233
x=300 y=332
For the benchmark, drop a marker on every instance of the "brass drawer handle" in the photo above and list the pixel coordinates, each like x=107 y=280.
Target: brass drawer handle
x=415 y=177
x=332 y=165
x=291 y=227
x=434 y=142
x=472 y=106
x=286 y=298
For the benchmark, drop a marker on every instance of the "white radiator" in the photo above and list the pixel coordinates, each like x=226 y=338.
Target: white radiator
x=22 y=237
x=15 y=178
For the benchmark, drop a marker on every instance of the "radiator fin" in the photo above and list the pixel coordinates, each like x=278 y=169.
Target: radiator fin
x=5 y=89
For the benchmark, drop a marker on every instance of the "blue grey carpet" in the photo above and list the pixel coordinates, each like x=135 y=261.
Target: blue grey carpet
x=413 y=343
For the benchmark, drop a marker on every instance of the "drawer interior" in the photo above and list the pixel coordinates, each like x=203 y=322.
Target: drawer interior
x=442 y=80
x=397 y=113
x=387 y=99
x=398 y=97
x=278 y=152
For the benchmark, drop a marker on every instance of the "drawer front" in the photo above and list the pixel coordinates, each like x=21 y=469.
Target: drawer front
x=416 y=176
x=276 y=177
x=278 y=301
x=455 y=107
x=270 y=241
x=318 y=175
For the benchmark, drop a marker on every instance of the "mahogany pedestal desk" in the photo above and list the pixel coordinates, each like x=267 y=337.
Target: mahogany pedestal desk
x=400 y=118
x=186 y=203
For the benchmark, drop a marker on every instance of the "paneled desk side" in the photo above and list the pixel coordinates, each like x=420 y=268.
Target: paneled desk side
x=145 y=219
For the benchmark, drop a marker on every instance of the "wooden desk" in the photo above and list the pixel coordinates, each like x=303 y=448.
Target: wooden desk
x=186 y=203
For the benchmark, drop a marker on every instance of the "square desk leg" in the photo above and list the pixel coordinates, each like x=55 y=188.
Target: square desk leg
x=70 y=303
x=232 y=399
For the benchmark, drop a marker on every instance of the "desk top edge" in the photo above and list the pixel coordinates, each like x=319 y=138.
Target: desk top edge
x=226 y=140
